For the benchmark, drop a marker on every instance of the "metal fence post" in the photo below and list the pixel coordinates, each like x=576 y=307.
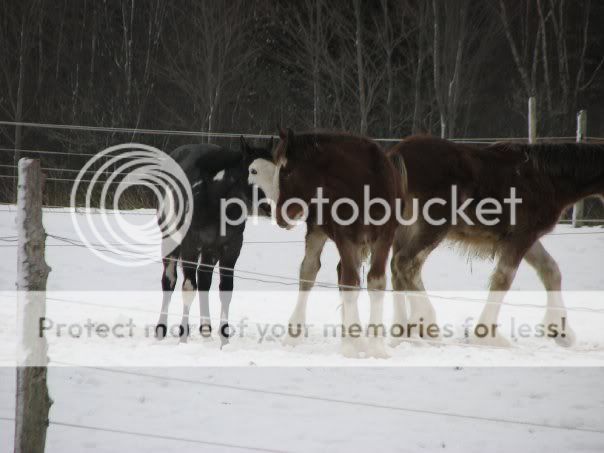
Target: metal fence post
x=579 y=208
x=532 y=120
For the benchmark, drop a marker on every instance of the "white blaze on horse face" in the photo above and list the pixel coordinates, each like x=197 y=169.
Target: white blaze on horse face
x=262 y=173
x=219 y=176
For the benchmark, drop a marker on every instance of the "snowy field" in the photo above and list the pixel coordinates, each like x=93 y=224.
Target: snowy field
x=257 y=393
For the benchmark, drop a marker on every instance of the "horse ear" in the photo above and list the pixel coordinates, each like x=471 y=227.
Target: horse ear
x=245 y=149
x=289 y=149
x=282 y=132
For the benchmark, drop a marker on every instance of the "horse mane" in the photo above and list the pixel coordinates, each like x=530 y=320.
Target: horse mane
x=308 y=142
x=579 y=161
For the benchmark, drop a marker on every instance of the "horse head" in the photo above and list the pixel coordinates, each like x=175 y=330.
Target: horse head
x=258 y=173
x=296 y=179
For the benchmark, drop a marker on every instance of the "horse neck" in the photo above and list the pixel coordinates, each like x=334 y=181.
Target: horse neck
x=576 y=170
x=571 y=190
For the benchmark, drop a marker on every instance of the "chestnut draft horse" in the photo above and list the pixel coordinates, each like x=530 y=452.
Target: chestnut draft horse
x=547 y=178
x=343 y=167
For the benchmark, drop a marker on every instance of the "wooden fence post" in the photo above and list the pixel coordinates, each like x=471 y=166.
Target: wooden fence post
x=579 y=207
x=32 y=399
x=532 y=120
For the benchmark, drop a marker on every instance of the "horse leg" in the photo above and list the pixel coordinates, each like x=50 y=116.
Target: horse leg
x=204 y=280
x=411 y=248
x=352 y=332
x=189 y=287
x=376 y=284
x=227 y=261
x=168 y=283
x=315 y=241
x=549 y=274
x=485 y=333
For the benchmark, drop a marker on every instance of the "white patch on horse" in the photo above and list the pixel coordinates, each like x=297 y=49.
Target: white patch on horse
x=261 y=173
x=171 y=272
x=188 y=285
x=219 y=176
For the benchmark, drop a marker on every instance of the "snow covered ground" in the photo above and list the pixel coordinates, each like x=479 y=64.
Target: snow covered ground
x=258 y=393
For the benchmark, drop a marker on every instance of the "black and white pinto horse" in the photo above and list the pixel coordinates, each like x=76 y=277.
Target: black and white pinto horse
x=215 y=173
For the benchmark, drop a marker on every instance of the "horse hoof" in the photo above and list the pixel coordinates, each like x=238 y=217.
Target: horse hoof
x=395 y=342
x=160 y=331
x=497 y=341
x=205 y=330
x=349 y=351
x=415 y=341
x=567 y=340
x=353 y=348
x=564 y=337
x=291 y=341
x=377 y=349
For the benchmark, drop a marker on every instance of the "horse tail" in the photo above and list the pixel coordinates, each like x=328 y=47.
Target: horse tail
x=399 y=164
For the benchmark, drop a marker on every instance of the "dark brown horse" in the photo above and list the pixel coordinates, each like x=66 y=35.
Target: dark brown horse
x=342 y=166
x=547 y=178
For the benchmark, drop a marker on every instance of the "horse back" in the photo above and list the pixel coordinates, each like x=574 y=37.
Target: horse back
x=434 y=165
x=204 y=159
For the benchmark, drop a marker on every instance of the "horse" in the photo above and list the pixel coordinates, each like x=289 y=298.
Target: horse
x=547 y=178
x=263 y=173
x=341 y=166
x=215 y=174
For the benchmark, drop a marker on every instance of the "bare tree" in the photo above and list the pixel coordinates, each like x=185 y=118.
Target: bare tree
x=462 y=35
x=306 y=37
x=207 y=51
x=542 y=37
x=393 y=28
x=354 y=66
x=20 y=33
x=421 y=46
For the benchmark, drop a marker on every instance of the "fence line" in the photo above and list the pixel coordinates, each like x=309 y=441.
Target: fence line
x=435 y=342
x=248 y=321
x=101 y=181
x=295 y=281
x=72 y=170
x=155 y=436
x=78 y=210
x=332 y=400
x=77 y=127
x=58 y=153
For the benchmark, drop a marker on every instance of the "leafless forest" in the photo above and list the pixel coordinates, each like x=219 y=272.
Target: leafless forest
x=457 y=68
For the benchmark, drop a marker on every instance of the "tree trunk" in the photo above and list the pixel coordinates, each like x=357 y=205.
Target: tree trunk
x=20 y=88
x=360 y=68
x=317 y=38
x=32 y=399
x=437 y=79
